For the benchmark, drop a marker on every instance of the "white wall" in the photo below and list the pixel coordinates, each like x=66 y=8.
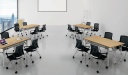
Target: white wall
x=28 y=11
x=112 y=15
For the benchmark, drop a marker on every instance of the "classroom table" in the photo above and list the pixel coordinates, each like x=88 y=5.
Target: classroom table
x=105 y=43
x=12 y=42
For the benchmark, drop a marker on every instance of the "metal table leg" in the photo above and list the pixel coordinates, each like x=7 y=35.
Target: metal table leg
x=107 y=58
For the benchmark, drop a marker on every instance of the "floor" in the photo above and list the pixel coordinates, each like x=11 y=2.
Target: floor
x=57 y=51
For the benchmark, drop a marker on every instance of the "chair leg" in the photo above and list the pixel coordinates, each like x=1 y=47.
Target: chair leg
x=75 y=54
x=88 y=62
x=81 y=60
x=30 y=58
x=99 y=67
x=125 y=56
x=38 y=53
x=14 y=67
x=67 y=34
x=46 y=33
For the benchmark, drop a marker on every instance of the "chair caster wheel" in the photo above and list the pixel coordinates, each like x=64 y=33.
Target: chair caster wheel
x=73 y=38
x=66 y=35
x=89 y=58
x=26 y=65
x=90 y=35
x=125 y=60
x=106 y=67
x=43 y=37
x=6 y=67
x=97 y=62
x=24 y=58
x=75 y=35
x=80 y=61
x=87 y=65
x=40 y=57
x=47 y=35
x=32 y=61
x=82 y=54
x=16 y=63
x=40 y=38
x=70 y=36
x=73 y=57
x=31 y=55
x=97 y=71
x=16 y=72
x=100 y=35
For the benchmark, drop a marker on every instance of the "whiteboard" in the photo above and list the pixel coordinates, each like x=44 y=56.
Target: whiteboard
x=52 y=5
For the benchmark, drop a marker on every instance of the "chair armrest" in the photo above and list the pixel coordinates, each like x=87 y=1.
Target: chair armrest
x=26 y=46
x=8 y=53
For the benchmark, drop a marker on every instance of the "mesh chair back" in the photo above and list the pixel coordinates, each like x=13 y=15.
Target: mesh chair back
x=94 y=50
x=96 y=26
x=36 y=29
x=4 y=35
x=16 y=27
x=34 y=44
x=19 y=50
x=88 y=23
x=69 y=27
x=44 y=27
x=124 y=39
x=24 y=23
x=78 y=43
x=77 y=29
x=108 y=35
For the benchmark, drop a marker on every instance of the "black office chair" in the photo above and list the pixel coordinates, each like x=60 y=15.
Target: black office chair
x=80 y=48
x=78 y=32
x=88 y=23
x=18 y=54
x=97 y=55
x=32 y=48
x=24 y=24
x=5 y=35
x=96 y=29
x=35 y=32
x=124 y=39
x=70 y=30
x=108 y=35
x=17 y=29
x=42 y=30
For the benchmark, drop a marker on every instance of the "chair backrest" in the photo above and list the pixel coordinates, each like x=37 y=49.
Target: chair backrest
x=34 y=44
x=96 y=26
x=16 y=27
x=78 y=43
x=88 y=23
x=69 y=27
x=4 y=35
x=44 y=27
x=108 y=35
x=77 y=29
x=94 y=50
x=36 y=29
x=124 y=39
x=24 y=23
x=19 y=50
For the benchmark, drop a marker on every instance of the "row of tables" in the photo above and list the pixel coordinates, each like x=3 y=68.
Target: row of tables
x=14 y=42
x=102 y=42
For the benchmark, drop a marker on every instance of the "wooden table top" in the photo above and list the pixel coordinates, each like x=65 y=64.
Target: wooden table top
x=104 y=41
x=30 y=26
x=83 y=26
x=13 y=41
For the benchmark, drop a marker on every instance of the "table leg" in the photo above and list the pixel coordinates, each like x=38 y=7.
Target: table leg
x=121 y=53
x=114 y=55
x=107 y=59
x=3 y=58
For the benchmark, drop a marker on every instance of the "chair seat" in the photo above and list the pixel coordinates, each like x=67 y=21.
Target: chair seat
x=30 y=49
x=99 y=56
x=94 y=30
x=14 y=56
x=83 y=49
x=41 y=30
x=79 y=33
x=33 y=33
